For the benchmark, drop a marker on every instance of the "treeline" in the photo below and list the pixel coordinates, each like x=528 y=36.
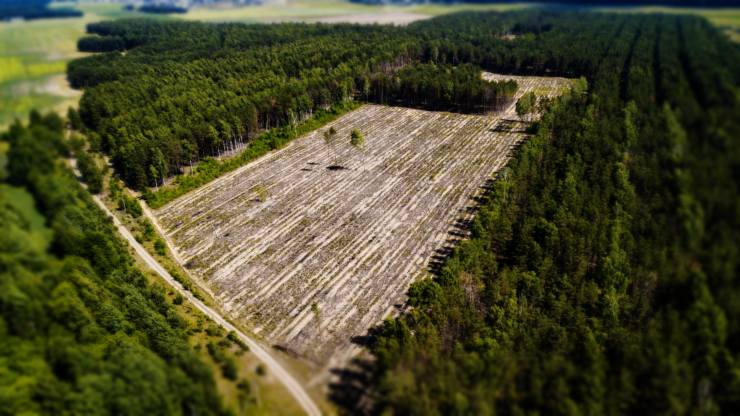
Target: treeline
x=602 y=272
x=33 y=9
x=162 y=9
x=441 y=87
x=575 y=3
x=601 y=276
x=101 y=44
x=81 y=329
x=187 y=91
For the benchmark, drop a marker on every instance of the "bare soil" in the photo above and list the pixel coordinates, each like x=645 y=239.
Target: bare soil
x=330 y=252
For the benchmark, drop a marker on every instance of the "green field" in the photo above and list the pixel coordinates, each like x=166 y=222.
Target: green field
x=33 y=59
x=33 y=55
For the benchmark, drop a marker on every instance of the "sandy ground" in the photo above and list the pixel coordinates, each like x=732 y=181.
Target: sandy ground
x=330 y=253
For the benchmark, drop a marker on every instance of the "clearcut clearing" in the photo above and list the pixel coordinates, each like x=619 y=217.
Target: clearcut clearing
x=307 y=256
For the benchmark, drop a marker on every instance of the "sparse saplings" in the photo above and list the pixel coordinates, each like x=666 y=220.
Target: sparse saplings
x=329 y=139
x=178 y=299
x=115 y=186
x=231 y=336
x=356 y=139
x=147 y=229
x=262 y=192
x=316 y=313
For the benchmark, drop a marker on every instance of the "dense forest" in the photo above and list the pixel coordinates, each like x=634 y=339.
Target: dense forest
x=185 y=91
x=82 y=331
x=33 y=9
x=601 y=277
x=440 y=87
x=601 y=272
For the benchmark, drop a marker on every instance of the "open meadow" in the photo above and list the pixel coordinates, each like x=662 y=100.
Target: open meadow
x=313 y=244
x=34 y=56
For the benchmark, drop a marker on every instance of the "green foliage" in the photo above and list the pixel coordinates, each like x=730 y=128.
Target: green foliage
x=214 y=331
x=225 y=362
x=526 y=104
x=178 y=299
x=160 y=247
x=91 y=173
x=601 y=272
x=601 y=275
x=185 y=282
x=231 y=336
x=329 y=136
x=270 y=78
x=148 y=229
x=81 y=329
x=129 y=205
x=356 y=138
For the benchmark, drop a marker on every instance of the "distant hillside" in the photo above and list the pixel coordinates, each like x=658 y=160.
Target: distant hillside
x=33 y=9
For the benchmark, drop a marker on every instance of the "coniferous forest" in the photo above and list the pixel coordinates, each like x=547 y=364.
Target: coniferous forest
x=601 y=275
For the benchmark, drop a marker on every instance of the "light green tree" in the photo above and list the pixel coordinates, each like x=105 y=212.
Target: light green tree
x=356 y=138
x=526 y=105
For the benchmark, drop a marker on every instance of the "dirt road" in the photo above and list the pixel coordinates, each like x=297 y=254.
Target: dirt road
x=272 y=365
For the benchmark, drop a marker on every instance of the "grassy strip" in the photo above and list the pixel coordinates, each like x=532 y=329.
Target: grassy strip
x=209 y=169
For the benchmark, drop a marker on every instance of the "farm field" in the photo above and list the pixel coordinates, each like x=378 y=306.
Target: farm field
x=308 y=256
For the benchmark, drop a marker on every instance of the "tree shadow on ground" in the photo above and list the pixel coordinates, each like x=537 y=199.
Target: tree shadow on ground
x=351 y=387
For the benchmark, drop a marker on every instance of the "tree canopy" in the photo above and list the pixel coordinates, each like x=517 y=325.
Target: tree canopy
x=601 y=272
x=82 y=331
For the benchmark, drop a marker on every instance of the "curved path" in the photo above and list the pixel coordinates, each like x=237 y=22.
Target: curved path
x=277 y=370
